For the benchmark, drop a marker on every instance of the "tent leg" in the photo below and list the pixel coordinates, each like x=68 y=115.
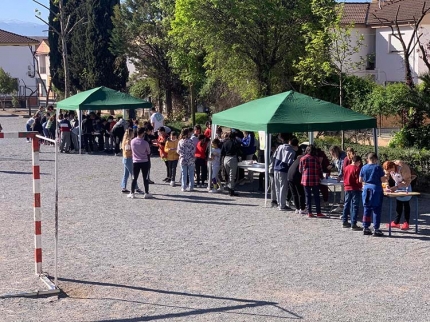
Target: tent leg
x=375 y=140
x=311 y=137
x=80 y=132
x=266 y=166
x=213 y=131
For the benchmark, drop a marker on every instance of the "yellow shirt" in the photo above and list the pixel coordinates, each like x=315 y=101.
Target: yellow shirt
x=126 y=145
x=171 y=154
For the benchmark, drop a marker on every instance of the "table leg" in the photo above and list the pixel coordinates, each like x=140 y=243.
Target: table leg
x=416 y=215
x=389 y=222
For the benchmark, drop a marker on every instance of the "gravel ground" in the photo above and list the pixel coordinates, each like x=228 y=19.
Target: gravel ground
x=193 y=256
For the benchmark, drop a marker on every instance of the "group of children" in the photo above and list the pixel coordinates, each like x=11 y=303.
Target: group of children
x=97 y=134
x=195 y=154
x=300 y=177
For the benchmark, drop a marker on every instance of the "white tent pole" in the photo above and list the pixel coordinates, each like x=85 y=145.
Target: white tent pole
x=311 y=137
x=213 y=131
x=266 y=165
x=80 y=131
x=375 y=140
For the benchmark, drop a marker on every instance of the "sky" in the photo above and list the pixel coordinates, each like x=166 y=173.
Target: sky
x=9 y=10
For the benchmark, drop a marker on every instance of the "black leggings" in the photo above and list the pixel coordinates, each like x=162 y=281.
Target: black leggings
x=201 y=170
x=169 y=175
x=298 y=192
x=137 y=167
x=400 y=205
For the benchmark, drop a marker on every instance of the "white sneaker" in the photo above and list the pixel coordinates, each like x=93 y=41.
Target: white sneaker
x=147 y=196
x=183 y=190
x=303 y=212
x=190 y=189
x=213 y=191
x=130 y=195
x=172 y=183
x=297 y=211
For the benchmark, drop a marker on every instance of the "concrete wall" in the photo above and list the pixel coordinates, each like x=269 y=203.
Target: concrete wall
x=389 y=56
x=15 y=60
x=425 y=39
x=367 y=48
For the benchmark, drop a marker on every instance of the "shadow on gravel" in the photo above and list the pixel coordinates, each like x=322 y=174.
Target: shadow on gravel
x=21 y=172
x=193 y=311
x=203 y=200
x=25 y=160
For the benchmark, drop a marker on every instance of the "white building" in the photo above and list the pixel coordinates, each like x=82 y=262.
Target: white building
x=16 y=59
x=46 y=95
x=384 y=52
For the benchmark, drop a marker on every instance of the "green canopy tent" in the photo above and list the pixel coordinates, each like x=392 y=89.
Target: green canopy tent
x=100 y=98
x=292 y=112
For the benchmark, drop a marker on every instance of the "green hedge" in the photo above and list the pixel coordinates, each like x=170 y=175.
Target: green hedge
x=201 y=119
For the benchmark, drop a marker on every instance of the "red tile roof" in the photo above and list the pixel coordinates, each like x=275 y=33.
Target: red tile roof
x=11 y=39
x=409 y=9
x=355 y=12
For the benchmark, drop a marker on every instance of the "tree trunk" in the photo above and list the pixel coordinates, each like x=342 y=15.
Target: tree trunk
x=64 y=50
x=193 y=108
x=340 y=103
x=408 y=73
x=265 y=88
x=160 y=103
x=169 y=103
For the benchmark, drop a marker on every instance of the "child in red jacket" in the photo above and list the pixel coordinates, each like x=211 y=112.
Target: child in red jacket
x=353 y=187
x=201 y=164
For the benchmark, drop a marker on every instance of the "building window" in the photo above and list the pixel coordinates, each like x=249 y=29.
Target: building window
x=42 y=91
x=42 y=65
x=394 y=44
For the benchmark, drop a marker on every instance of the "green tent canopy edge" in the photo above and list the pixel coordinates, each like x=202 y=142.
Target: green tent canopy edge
x=102 y=98
x=292 y=112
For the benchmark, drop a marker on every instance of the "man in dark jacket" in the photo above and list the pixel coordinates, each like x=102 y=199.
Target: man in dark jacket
x=88 y=130
x=230 y=151
x=294 y=182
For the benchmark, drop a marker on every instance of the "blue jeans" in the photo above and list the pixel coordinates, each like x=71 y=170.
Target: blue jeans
x=187 y=171
x=372 y=204
x=351 y=205
x=128 y=171
x=315 y=190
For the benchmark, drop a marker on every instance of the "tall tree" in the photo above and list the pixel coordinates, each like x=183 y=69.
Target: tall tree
x=249 y=44
x=92 y=63
x=141 y=32
x=63 y=20
x=330 y=50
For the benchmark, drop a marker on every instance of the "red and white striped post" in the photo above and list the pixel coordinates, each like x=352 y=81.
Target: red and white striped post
x=53 y=288
x=36 y=193
x=36 y=207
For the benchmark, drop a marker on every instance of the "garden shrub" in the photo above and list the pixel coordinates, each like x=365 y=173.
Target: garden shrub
x=201 y=118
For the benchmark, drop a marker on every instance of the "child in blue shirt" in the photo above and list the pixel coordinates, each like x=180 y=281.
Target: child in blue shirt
x=371 y=176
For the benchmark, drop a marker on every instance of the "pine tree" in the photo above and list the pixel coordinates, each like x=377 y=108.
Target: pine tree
x=72 y=16
x=55 y=60
x=92 y=63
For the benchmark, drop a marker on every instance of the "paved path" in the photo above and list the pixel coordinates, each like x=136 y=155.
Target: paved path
x=194 y=256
